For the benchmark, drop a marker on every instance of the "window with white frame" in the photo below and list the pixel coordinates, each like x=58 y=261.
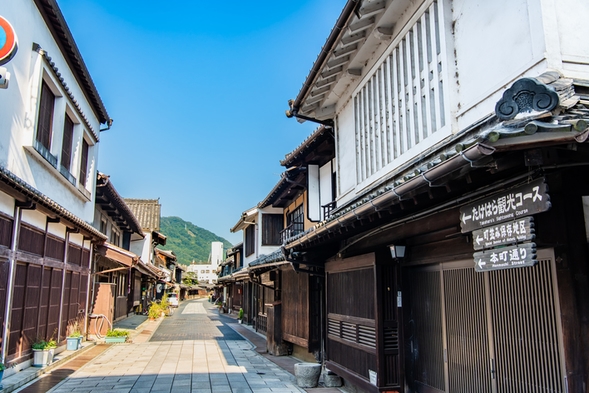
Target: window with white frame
x=402 y=103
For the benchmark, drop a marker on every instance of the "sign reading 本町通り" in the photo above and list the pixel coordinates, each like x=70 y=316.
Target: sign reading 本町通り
x=509 y=205
x=520 y=255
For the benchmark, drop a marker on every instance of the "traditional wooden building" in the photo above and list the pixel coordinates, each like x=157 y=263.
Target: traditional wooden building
x=456 y=255
x=116 y=284
x=51 y=116
x=148 y=213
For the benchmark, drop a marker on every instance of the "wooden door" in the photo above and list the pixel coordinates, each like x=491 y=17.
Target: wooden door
x=104 y=304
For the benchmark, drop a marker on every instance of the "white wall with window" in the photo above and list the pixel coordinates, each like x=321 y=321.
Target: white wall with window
x=439 y=73
x=48 y=127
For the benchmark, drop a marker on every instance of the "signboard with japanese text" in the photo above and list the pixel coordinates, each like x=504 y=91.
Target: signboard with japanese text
x=516 y=231
x=507 y=205
x=520 y=255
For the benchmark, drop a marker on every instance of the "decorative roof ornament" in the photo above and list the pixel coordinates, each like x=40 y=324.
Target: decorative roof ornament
x=526 y=95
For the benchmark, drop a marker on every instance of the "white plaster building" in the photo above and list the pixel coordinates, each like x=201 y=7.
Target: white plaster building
x=51 y=116
x=441 y=111
x=207 y=274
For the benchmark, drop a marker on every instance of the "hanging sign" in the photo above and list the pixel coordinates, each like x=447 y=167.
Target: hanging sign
x=516 y=231
x=8 y=41
x=521 y=255
x=505 y=206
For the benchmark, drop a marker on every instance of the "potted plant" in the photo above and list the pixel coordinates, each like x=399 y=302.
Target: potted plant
x=240 y=315
x=43 y=352
x=116 y=336
x=2 y=368
x=74 y=341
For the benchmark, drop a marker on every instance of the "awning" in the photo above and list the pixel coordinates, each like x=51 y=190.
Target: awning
x=120 y=255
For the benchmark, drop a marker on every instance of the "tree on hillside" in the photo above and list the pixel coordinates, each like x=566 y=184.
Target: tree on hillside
x=190 y=279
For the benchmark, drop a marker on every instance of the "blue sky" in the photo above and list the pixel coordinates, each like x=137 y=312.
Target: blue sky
x=198 y=91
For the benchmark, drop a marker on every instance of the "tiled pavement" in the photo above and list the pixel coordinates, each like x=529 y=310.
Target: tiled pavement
x=179 y=366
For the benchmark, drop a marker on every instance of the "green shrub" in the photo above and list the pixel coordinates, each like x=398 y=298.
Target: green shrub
x=117 y=333
x=42 y=344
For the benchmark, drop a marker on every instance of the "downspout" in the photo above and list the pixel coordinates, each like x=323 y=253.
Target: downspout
x=18 y=206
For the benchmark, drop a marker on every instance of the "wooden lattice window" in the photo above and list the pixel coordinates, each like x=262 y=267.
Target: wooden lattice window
x=402 y=103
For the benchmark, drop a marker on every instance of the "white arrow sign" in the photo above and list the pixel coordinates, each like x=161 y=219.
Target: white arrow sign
x=481 y=263
x=465 y=218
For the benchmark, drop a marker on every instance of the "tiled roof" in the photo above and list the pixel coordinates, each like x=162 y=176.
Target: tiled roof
x=147 y=211
x=110 y=200
x=30 y=193
x=62 y=34
x=310 y=145
x=567 y=121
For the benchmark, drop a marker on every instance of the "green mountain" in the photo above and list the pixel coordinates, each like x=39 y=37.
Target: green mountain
x=188 y=241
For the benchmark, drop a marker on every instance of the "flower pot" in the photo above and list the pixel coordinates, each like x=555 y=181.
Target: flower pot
x=240 y=321
x=307 y=374
x=73 y=343
x=111 y=340
x=41 y=357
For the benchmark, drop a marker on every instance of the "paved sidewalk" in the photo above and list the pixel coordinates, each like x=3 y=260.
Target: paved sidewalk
x=195 y=366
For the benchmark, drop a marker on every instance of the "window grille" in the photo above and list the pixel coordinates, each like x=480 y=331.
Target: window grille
x=402 y=103
x=295 y=223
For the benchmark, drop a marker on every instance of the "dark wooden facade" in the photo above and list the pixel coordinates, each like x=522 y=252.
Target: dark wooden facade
x=49 y=294
x=363 y=325
x=430 y=323
x=302 y=298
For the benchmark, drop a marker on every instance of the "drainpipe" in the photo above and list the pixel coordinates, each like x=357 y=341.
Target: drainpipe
x=18 y=207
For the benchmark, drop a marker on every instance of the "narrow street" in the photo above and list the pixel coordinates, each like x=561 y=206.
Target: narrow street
x=193 y=350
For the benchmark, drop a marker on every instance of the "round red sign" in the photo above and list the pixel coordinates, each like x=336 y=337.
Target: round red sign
x=8 y=44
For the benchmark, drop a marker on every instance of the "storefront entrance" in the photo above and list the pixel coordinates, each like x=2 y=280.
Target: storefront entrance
x=494 y=332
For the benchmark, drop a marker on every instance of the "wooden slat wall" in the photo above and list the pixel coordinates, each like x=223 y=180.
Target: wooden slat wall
x=525 y=327
x=74 y=255
x=5 y=231
x=469 y=368
x=54 y=299
x=425 y=352
x=351 y=307
x=295 y=300
x=55 y=248
x=31 y=240
x=351 y=293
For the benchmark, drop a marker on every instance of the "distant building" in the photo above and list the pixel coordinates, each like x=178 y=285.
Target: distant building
x=207 y=274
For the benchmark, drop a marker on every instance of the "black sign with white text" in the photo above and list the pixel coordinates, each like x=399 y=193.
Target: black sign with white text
x=521 y=255
x=516 y=231
x=508 y=205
